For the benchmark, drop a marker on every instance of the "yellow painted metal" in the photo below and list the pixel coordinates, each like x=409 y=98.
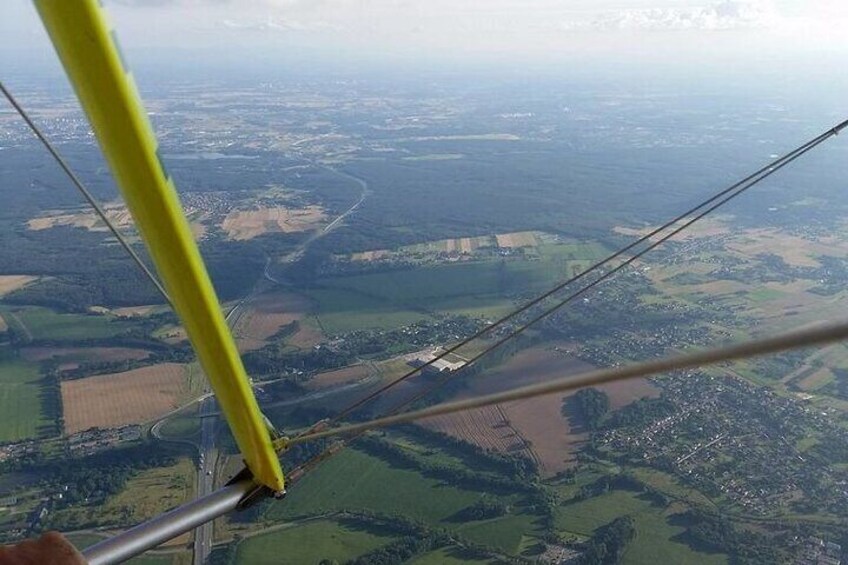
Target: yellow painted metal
x=91 y=57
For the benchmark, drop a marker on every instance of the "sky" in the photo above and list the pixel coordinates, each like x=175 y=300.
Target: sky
x=539 y=30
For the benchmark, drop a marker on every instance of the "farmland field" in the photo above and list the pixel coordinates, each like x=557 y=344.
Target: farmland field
x=122 y=398
x=355 y=481
x=90 y=354
x=311 y=542
x=37 y=323
x=342 y=311
x=338 y=377
x=449 y=556
x=537 y=422
x=266 y=315
x=21 y=412
x=486 y=427
x=84 y=218
x=655 y=530
x=247 y=224
x=11 y=283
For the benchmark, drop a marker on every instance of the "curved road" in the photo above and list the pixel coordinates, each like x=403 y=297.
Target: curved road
x=206 y=473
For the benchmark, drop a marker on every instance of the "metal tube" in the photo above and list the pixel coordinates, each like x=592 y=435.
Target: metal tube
x=169 y=525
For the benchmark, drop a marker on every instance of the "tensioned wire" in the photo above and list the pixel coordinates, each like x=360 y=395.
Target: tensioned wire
x=316 y=432
x=784 y=342
x=752 y=178
x=85 y=193
x=788 y=341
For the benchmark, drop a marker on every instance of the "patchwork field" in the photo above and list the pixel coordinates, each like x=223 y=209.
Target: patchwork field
x=21 y=412
x=247 y=224
x=536 y=426
x=454 y=247
x=516 y=240
x=84 y=218
x=132 y=397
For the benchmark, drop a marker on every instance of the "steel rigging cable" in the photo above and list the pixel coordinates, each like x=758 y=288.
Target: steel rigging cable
x=86 y=194
x=747 y=182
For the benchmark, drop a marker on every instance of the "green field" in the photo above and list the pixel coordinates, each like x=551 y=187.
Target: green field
x=35 y=323
x=481 y=288
x=355 y=481
x=341 y=310
x=765 y=294
x=310 y=543
x=147 y=494
x=21 y=410
x=449 y=556
x=655 y=533
x=505 y=533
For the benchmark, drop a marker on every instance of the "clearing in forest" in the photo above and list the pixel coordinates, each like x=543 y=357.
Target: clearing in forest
x=11 y=283
x=247 y=224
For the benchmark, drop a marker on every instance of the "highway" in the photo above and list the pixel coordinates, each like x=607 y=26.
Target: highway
x=203 y=536
x=205 y=478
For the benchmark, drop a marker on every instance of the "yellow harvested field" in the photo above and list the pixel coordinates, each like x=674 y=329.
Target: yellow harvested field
x=516 y=240
x=133 y=311
x=11 y=283
x=338 y=377
x=117 y=214
x=707 y=227
x=795 y=250
x=132 y=397
x=247 y=224
x=370 y=255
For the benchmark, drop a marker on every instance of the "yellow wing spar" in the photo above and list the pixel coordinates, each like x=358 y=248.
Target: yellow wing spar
x=107 y=92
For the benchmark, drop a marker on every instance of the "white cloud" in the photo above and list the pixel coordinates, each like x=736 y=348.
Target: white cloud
x=277 y=25
x=726 y=15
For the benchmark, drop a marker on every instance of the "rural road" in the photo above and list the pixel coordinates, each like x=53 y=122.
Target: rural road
x=362 y=197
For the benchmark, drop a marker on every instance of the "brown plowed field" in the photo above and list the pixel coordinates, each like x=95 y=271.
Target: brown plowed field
x=132 y=397
x=516 y=240
x=486 y=427
x=11 y=283
x=552 y=437
x=338 y=377
x=305 y=337
x=268 y=313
